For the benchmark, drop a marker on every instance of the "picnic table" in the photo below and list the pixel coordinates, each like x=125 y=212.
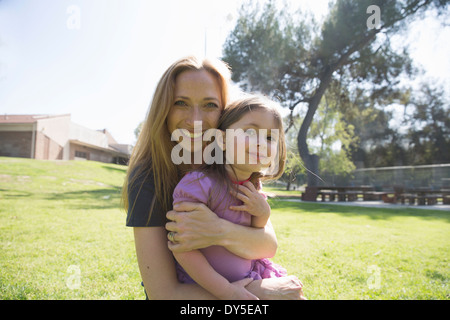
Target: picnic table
x=340 y=193
x=421 y=196
x=426 y=196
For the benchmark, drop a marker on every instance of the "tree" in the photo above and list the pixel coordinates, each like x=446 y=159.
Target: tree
x=294 y=166
x=372 y=124
x=429 y=133
x=138 y=129
x=335 y=136
x=290 y=57
x=423 y=137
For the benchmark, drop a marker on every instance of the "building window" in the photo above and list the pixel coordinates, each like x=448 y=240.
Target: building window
x=79 y=154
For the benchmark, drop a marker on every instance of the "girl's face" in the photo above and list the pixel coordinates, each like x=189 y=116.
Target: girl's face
x=255 y=145
x=197 y=98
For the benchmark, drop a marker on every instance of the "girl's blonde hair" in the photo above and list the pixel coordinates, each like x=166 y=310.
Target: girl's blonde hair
x=153 y=147
x=233 y=113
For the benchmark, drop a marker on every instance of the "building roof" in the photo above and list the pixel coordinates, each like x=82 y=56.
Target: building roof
x=109 y=149
x=99 y=139
x=27 y=118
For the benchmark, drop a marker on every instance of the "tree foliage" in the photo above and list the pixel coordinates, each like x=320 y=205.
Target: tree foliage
x=291 y=57
x=429 y=134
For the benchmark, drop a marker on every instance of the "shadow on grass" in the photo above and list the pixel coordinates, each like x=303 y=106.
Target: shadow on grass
x=349 y=211
x=13 y=194
x=116 y=169
x=105 y=198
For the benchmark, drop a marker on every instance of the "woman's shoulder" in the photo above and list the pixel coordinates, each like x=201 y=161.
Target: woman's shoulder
x=140 y=172
x=141 y=177
x=144 y=209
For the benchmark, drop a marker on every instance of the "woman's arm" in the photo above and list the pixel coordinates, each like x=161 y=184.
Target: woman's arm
x=157 y=268
x=197 y=227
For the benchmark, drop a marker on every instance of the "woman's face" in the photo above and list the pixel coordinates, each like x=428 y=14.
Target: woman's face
x=197 y=98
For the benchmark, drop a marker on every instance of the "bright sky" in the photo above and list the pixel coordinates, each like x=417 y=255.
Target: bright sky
x=100 y=60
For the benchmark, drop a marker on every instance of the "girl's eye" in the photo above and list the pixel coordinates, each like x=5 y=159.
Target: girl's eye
x=180 y=103
x=250 y=132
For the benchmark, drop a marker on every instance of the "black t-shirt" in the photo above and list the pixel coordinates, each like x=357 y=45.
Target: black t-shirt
x=141 y=198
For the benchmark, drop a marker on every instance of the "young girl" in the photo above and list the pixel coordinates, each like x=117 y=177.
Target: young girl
x=231 y=189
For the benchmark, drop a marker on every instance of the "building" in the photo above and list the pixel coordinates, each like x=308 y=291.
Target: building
x=56 y=137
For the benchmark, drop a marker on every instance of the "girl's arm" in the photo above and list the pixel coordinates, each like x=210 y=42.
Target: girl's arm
x=196 y=265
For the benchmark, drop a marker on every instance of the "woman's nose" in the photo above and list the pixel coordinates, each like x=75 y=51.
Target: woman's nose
x=194 y=115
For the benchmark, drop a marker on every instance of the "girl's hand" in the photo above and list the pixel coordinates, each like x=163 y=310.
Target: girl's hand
x=284 y=288
x=254 y=202
x=194 y=227
x=237 y=291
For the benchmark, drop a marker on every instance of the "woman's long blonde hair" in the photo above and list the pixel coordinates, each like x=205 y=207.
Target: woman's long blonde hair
x=152 y=152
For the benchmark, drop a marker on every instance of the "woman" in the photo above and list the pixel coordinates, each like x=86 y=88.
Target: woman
x=190 y=90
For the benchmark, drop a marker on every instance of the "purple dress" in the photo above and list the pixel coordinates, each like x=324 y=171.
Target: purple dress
x=196 y=187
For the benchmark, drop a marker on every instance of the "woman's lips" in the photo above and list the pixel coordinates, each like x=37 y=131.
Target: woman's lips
x=196 y=135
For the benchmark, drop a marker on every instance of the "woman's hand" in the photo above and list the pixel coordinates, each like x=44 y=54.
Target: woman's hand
x=194 y=227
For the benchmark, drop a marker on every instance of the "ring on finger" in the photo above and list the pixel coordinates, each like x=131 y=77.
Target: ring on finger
x=171 y=236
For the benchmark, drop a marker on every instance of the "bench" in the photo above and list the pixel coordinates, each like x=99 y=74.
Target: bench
x=427 y=196
x=428 y=199
x=373 y=195
x=333 y=195
x=409 y=198
x=446 y=199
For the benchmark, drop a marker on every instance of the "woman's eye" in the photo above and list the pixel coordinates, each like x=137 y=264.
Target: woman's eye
x=212 y=105
x=180 y=103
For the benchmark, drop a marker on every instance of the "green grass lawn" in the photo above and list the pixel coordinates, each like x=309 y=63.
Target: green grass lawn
x=63 y=236
x=62 y=233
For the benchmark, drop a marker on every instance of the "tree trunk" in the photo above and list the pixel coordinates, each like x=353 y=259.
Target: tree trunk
x=290 y=179
x=311 y=161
